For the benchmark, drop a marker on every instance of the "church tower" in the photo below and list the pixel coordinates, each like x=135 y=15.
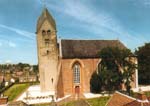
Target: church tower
x=47 y=51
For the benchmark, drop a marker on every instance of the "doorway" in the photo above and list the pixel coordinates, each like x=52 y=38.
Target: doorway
x=77 y=89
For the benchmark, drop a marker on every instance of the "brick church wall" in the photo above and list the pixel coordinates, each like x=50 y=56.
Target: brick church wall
x=60 y=88
x=88 y=66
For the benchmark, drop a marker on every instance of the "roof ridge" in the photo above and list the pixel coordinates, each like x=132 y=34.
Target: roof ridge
x=126 y=95
x=90 y=39
x=136 y=99
x=142 y=101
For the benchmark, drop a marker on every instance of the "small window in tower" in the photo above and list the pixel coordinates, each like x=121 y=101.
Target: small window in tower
x=43 y=32
x=47 y=52
x=47 y=42
x=52 y=80
x=48 y=32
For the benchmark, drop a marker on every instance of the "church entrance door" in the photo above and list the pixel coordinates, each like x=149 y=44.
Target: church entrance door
x=77 y=89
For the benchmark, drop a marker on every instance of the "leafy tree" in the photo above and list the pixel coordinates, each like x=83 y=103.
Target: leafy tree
x=95 y=83
x=21 y=66
x=143 y=54
x=115 y=68
x=35 y=68
x=2 y=83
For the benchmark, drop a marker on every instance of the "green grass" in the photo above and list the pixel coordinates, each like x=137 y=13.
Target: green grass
x=147 y=94
x=98 y=101
x=15 y=91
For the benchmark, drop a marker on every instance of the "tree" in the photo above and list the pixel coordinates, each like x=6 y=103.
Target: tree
x=2 y=83
x=95 y=83
x=21 y=66
x=143 y=54
x=119 y=67
x=35 y=68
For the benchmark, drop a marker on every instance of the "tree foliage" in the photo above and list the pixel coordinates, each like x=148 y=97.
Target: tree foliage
x=115 y=69
x=143 y=54
x=95 y=83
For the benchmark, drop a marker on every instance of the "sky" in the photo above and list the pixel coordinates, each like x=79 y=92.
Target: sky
x=124 y=20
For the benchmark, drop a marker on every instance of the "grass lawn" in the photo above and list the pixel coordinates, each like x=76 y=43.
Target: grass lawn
x=147 y=94
x=15 y=90
x=98 y=101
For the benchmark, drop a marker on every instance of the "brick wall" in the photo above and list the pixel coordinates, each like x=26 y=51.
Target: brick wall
x=87 y=67
x=3 y=100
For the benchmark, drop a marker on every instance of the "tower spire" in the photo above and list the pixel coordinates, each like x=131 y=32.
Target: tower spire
x=44 y=3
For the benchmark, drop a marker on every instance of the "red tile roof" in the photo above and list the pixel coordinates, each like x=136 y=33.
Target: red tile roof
x=136 y=103
x=119 y=99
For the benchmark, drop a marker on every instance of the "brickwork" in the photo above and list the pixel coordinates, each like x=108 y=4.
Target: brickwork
x=3 y=100
x=88 y=66
x=60 y=86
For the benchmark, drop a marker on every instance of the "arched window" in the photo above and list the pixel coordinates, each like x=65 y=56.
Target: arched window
x=48 y=32
x=76 y=74
x=43 y=32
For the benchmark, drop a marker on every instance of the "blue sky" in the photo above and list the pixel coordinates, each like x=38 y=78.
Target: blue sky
x=126 y=20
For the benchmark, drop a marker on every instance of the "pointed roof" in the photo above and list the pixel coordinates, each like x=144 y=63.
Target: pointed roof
x=45 y=16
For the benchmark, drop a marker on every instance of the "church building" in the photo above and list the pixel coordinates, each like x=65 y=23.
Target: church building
x=66 y=66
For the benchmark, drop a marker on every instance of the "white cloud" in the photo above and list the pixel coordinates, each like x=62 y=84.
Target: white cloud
x=89 y=18
x=8 y=61
x=0 y=44
x=7 y=43
x=26 y=34
x=146 y=2
x=99 y=22
x=11 y=44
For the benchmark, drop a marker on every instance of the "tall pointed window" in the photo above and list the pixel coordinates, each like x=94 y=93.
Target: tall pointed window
x=76 y=74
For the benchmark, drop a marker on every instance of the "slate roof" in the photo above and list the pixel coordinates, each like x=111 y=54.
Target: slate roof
x=45 y=15
x=86 y=48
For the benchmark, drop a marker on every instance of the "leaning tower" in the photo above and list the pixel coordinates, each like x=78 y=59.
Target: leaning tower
x=47 y=51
